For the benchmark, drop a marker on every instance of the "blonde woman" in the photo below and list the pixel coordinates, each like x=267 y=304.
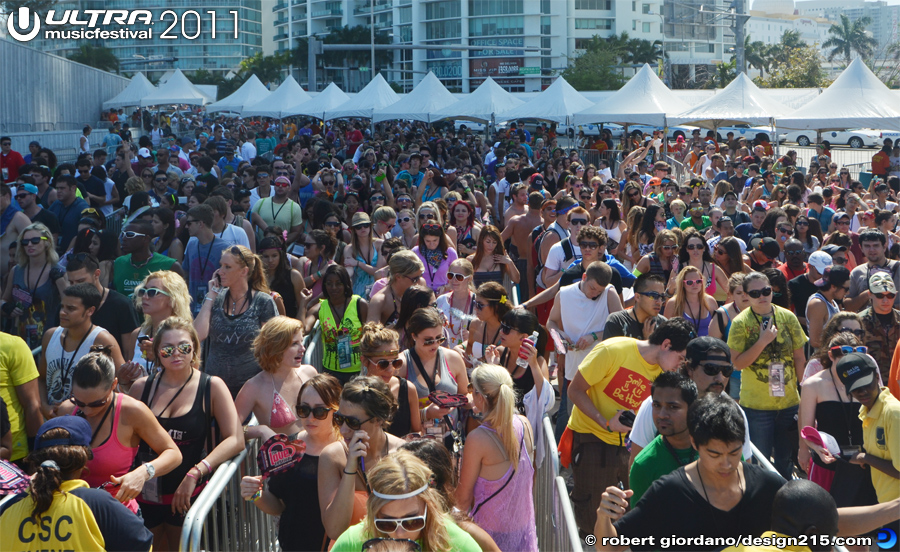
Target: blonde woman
x=294 y=494
x=404 y=505
x=162 y=294
x=271 y=395
x=235 y=308
x=175 y=396
x=458 y=304
x=496 y=476
x=691 y=301
x=380 y=352
x=32 y=295
x=631 y=253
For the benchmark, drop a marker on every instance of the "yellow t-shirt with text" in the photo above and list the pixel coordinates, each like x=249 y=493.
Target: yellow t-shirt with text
x=619 y=379
x=881 y=438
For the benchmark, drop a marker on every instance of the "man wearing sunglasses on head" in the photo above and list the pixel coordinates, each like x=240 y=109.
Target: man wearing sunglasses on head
x=881 y=321
x=138 y=260
x=873 y=244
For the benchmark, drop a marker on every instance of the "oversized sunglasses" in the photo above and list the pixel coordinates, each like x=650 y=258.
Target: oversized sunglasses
x=456 y=276
x=757 y=293
x=404 y=219
x=318 y=412
x=34 y=241
x=857 y=333
x=431 y=341
x=152 y=292
x=352 y=423
x=363 y=226
x=94 y=404
x=578 y=222
x=655 y=295
x=411 y=524
x=169 y=350
x=668 y=247
x=332 y=224
x=713 y=369
x=885 y=295
x=588 y=245
x=841 y=350
x=131 y=235
x=693 y=282
x=694 y=247
x=384 y=364
x=426 y=216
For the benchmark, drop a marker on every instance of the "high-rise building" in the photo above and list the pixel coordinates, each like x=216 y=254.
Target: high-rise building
x=157 y=55
x=552 y=29
x=885 y=18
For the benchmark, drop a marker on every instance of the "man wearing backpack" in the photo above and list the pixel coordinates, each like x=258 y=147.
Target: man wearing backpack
x=518 y=230
x=555 y=233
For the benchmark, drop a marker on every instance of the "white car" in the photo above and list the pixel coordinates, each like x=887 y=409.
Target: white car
x=855 y=138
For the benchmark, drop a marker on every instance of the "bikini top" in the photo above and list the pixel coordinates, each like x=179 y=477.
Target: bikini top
x=282 y=414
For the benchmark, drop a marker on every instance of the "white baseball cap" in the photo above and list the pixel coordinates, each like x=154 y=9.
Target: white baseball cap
x=144 y=152
x=820 y=260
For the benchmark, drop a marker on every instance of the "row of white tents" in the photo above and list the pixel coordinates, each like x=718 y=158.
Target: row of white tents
x=856 y=99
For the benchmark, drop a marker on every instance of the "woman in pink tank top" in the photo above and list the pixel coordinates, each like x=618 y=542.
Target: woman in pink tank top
x=119 y=423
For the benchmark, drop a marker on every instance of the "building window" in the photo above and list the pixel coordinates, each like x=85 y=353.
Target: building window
x=405 y=15
x=593 y=4
x=495 y=7
x=634 y=6
x=545 y=7
x=634 y=24
x=491 y=26
x=443 y=29
x=712 y=48
x=645 y=8
x=442 y=10
x=593 y=24
x=545 y=26
x=645 y=27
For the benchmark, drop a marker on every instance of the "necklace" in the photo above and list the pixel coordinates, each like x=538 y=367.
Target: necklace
x=28 y=277
x=234 y=307
x=706 y=495
x=142 y=265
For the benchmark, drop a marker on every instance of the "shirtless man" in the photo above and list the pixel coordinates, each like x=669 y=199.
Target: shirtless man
x=519 y=229
x=519 y=196
x=405 y=270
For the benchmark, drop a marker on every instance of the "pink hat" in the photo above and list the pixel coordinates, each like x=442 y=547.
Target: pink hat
x=680 y=139
x=821 y=439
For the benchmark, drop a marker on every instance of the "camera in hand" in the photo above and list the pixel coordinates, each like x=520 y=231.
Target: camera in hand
x=627 y=418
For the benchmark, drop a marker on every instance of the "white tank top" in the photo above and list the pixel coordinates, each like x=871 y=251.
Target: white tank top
x=138 y=358
x=61 y=364
x=580 y=316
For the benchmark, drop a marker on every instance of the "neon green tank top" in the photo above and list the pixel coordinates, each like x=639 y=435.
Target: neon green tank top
x=341 y=341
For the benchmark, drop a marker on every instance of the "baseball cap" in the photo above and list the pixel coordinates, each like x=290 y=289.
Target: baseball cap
x=760 y=205
x=144 y=152
x=768 y=246
x=732 y=194
x=820 y=260
x=536 y=180
x=79 y=432
x=881 y=282
x=856 y=370
x=834 y=275
x=30 y=188
x=832 y=249
x=186 y=140
x=838 y=216
x=707 y=348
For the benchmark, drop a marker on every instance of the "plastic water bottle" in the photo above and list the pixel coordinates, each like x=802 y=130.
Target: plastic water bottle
x=523 y=356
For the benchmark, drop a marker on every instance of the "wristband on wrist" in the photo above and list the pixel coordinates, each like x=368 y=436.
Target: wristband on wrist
x=349 y=473
x=192 y=476
x=205 y=463
x=594 y=335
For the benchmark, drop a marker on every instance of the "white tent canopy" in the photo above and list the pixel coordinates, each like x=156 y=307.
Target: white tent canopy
x=557 y=104
x=427 y=97
x=488 y=100
x=137 y=89
x=276 y=104
x=177 y=90
x=376 y=96
x=330 y=98
x=857 y=99
x=249 y=93
x=644 y=100
x=739 y=102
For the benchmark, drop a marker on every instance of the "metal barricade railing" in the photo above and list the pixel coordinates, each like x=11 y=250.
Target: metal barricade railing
x=314 y=348
x=590 y=156
x=221 y=519
x=679 y=171
x=554 y=517
x=857 y=168
x=114 y=221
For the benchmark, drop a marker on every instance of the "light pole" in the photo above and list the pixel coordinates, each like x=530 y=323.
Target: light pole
x=372 y=35
x=662 y=23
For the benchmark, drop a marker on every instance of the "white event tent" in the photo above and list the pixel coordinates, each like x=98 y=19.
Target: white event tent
x=137 y=89
x=419 y=105
x=857 y=99
x=330 y=98
x=482 y=105
x=557 y=104
x=739 y=102
x=249 y=93
x=276 y=103
x=177 y=90
x=644 y=100
x=376 y=96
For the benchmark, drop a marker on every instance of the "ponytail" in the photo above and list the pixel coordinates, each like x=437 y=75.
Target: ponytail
x=256 y=275
x=52 y=465
x=45 y=481
x=496 y=386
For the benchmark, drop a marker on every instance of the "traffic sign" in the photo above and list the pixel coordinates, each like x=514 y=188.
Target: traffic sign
x=529 y=70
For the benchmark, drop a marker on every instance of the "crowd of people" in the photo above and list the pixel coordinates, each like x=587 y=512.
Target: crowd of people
x=694 y=307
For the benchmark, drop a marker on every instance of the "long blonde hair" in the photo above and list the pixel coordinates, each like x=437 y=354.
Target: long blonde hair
x=179 y=296
x=496 y=386
x=681 y=295
x=273 y=339
x=399 y=473
x=49 y=254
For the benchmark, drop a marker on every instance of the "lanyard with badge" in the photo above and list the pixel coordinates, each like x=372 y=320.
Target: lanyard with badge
x=776 y=368
x=342 y=337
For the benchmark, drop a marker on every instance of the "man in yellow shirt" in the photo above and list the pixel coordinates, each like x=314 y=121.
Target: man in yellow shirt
x=880 y=415
x=614 y=378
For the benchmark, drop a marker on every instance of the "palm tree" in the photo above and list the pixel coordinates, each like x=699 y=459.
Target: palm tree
x=781 y=52
x=757 y=54
x=723 y=74
x=640 y=51
x=99 y=57
x=847 y=37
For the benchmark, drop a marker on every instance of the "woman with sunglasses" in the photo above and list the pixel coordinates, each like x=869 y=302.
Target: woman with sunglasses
x=380 y=355
x=491 y=305
x=842 y=322
x=362 y=259
x=802 y=233
x=161 y=294
x=119 y=424
x=345 y=467
x=294 y=494
x=496 y=475
x=178 y=396
x=827 y=406
x=341 y=315
x=32 y=294
x=516 y=326
x=408 y=230
x=609 y=217
x=727 y=256
x=458 y=304
x=663 y=259
x=318 y=255
x=415 y=298
x=491 y=262
x=767 y=340
x=431 y=212
x=695 y=253
x=271 y=394
x=403 y=505
x=691 y=301
x=236 y=306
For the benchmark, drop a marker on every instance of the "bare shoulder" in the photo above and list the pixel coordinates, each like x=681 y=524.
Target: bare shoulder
x=307 y=372
x=334 y=454
x=394 y=442
x=137 y=388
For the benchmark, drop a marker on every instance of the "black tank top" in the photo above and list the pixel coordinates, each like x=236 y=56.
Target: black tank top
x=301 y=525
x=841 y=421
x=522 y=384
x=190 y=433
x=401 y=425
x=285 y=288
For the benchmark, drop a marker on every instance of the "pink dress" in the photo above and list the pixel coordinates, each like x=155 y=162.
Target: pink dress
x=508 y=515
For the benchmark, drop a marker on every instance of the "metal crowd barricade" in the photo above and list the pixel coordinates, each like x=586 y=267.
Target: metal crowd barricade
x=857 y=168
x=314 y=348
x=590 y=156
x=679 y=171
x=221 y=519
x=114 y=221
x=555 y=519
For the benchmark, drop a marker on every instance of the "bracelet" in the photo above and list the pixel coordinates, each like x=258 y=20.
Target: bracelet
x=207 y=298
x=594 y=334
x=205 y=463
x=194 y=477
x=349 y=473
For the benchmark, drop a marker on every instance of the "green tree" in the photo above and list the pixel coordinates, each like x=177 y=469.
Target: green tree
x=595 y=69
x=224 y=86
x=758 y=54
x=723 y=74
x=640 y=51
x=99 y=57
x=848 y=37
x=360 y=58
x=801 y=68
x=268 y=69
